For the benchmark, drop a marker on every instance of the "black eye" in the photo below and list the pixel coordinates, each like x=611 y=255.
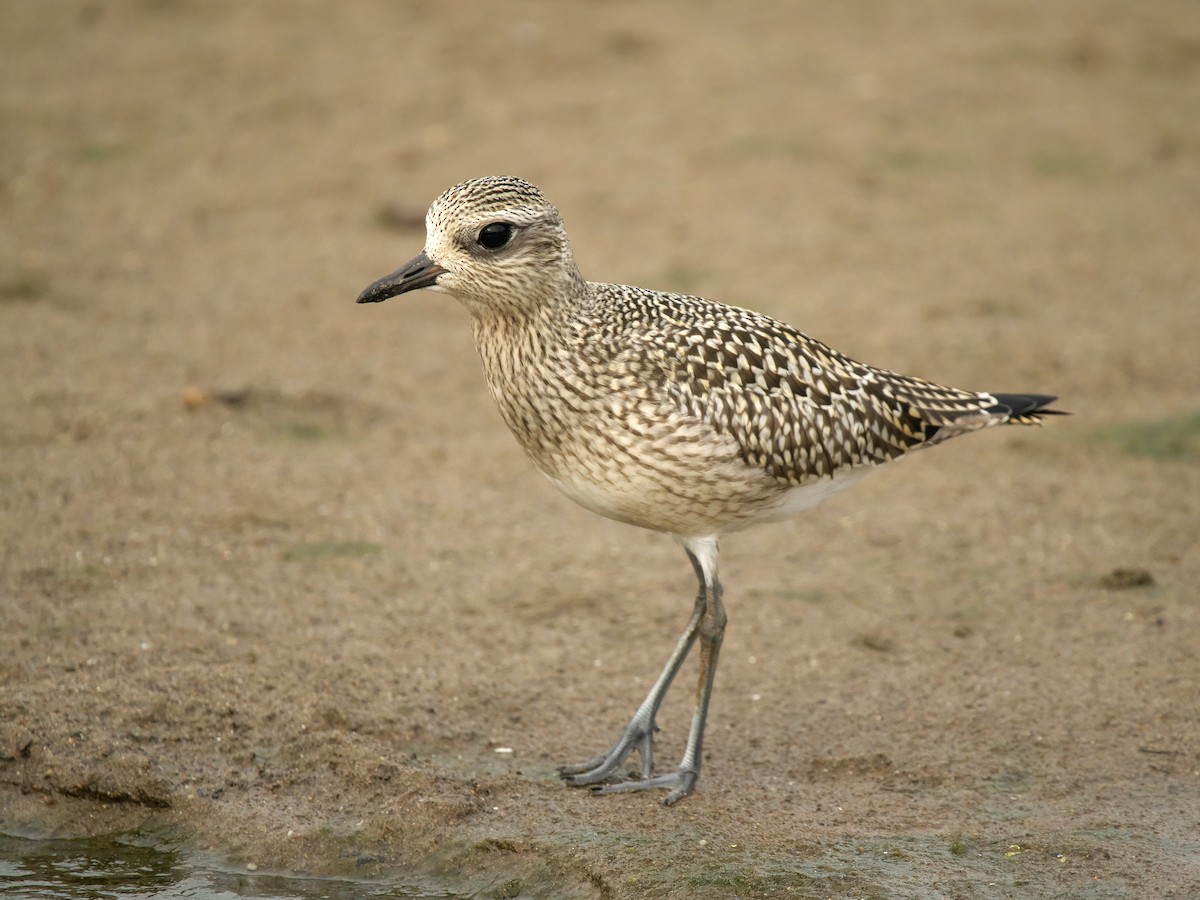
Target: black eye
x=495 y=235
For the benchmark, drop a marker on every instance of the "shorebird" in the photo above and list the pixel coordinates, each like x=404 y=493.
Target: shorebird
x=667 y=411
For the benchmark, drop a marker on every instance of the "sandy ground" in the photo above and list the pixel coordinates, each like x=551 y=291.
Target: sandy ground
x=276 y=579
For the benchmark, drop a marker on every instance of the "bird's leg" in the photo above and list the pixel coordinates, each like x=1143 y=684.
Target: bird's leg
x=707 y=623
x=712 y=632
x=639 y=733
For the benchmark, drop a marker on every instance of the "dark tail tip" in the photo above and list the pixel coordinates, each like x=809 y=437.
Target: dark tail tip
x=1026 y=409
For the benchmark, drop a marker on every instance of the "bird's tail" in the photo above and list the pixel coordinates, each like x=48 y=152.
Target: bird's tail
x=1025 y=409
x=946 y=417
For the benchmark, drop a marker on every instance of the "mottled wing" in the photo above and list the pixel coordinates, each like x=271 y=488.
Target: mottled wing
x=799 y=409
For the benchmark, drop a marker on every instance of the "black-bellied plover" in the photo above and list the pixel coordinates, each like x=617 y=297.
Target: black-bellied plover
x=667 y=411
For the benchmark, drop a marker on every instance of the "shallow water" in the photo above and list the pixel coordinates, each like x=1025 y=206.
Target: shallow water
x=116 y=868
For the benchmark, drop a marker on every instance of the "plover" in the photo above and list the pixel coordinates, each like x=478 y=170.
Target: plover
x=667 y=411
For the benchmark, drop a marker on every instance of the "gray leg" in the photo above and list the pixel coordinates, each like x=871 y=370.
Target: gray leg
x=639 y=732
x=707 y=622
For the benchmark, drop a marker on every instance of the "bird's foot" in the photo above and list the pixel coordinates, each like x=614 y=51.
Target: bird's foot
x=595 y=772
x=637 y=736
x=681 y=783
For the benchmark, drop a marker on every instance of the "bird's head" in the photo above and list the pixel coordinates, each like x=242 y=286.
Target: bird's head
x=495 y=244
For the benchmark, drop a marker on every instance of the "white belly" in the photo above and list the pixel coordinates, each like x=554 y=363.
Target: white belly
x=797 y=499
x=713 y=505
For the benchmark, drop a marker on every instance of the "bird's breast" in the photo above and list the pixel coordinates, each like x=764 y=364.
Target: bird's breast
x=610 y=439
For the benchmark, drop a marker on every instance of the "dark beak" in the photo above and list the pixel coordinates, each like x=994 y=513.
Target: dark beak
x=419 y=272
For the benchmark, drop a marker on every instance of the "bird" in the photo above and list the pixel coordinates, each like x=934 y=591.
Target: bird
x=667 y=411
